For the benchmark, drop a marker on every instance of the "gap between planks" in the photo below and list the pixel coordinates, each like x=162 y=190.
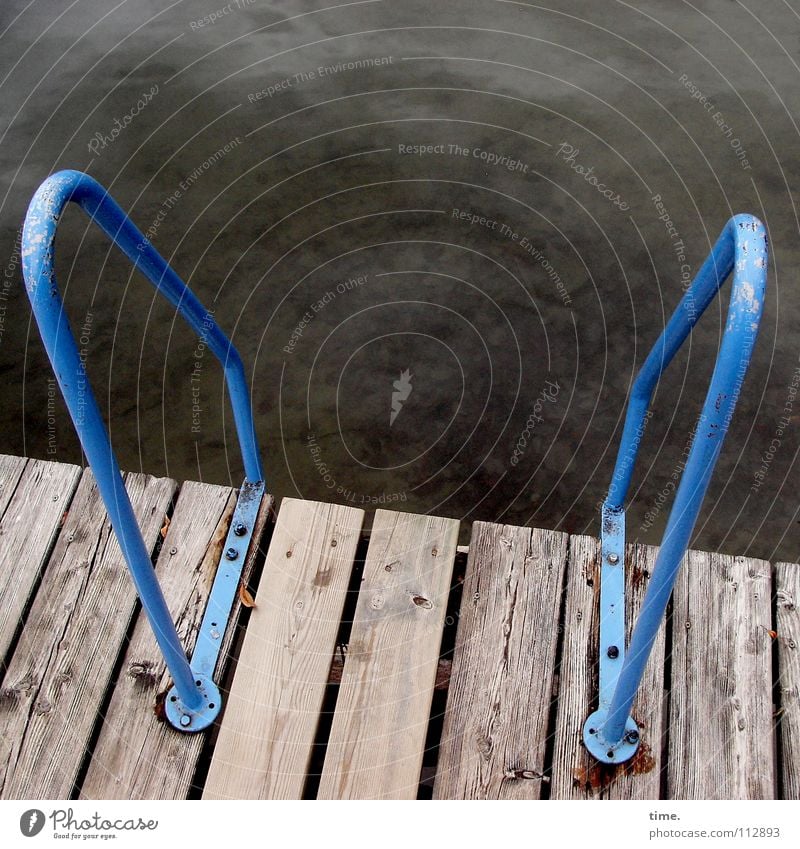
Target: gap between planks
x=34 y=497
x=58 y=675
x=787 y=634
x=576 y=775
x=496 y=722
x=380 y=724
x=270 y=719
x=721 y=728
x=721 y=676
x=137 y=754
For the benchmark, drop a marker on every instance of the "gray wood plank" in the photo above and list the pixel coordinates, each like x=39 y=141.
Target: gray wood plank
x=11 y=469
x=137 y=756
x=495 y=729
x=576 y=775
x=33 y=499
x=787 y=627
x=58 y=675
x=380 y=723
x=271 y=716
x=720 y=734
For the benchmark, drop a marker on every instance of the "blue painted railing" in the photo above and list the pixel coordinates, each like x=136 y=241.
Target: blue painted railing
x=195 y=700
x=610 y=733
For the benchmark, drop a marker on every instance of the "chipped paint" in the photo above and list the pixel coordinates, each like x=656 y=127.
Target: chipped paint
x=37 y=252
x=742 y=248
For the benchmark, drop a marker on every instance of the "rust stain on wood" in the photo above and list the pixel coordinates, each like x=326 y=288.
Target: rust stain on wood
x=599 y=776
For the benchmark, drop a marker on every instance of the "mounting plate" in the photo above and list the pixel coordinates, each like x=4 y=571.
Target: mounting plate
x=609 y=753
x=190 y=720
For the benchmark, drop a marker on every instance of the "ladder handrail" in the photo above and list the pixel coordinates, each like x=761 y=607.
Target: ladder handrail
x=38 y=248
x=610 y=733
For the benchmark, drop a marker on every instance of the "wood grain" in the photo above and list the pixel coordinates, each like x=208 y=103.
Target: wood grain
x=33 y=498
x=720 y=734
x=271 y=717
x=577 y=775
x=59 y=672
x=138 y=756
x=787 y=628
x=380 y=724
x=11 y=469
x=495 y=730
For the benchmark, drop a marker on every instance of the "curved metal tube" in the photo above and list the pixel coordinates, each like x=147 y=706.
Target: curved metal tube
x=741 y=248
x=38 y=243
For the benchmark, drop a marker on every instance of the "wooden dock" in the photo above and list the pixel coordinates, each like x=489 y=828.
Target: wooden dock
x=386 y=664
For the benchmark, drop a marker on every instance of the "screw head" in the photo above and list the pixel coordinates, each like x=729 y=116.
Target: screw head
x=613 y=558
x=632 y=737
x=186 y=720
x=240 y=529
x=231 y=554
x=613 y=652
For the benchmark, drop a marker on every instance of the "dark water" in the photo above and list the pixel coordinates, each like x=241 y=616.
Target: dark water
x=443 y=237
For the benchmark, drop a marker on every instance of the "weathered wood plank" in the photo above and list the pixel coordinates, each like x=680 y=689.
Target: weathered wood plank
x=787 y=627
x=271 y=717
x=58 y=675
x=495 y=728
x=33 y=498
x=576 y=775
x=11 y=469
x=380 y=723
x=137 y=756
x=720 y=735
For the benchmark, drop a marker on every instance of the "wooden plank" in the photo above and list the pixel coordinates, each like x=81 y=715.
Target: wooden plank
x=495 y=728
x=381 y=718
x=272 y=713
x=11 y=469
x=443 y=671
x=33 y=498
x=138 y=756
x=58 y=675
x=787 y=627
x=576 y=775
x=720 y=736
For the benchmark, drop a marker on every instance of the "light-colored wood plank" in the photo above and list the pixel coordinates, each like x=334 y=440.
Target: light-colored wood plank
x=495 y=728
x=576 y=775
x=720 y=734
x=381 y=718
x=59 y=672
x=34 y=496
x=271 y=716
x=787 y=627
x=443 y=670
x=136 y=755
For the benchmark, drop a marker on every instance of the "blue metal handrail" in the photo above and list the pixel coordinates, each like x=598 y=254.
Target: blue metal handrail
x=196 y=697
x=610 y=733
